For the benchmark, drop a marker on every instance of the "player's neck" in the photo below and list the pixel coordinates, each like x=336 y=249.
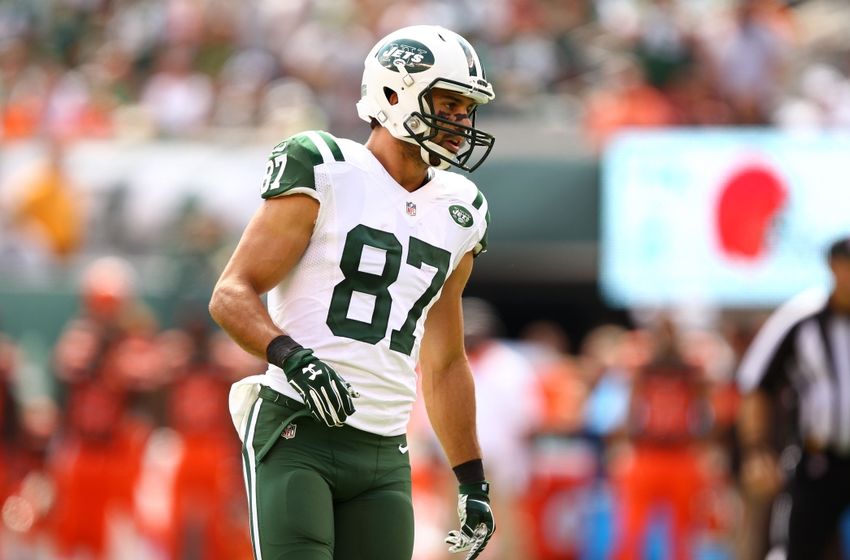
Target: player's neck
x=399 y=158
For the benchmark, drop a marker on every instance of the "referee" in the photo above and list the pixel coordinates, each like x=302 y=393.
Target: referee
x=803 y=350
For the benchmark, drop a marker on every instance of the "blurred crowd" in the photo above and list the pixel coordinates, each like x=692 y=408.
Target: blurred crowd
x=119 y=445
x=263 y=70
x=620 y=445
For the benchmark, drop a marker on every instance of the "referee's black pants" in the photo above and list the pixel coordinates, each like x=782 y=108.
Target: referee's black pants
x=820 y=493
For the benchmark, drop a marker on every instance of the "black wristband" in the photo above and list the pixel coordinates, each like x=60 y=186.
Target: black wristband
x=470 y=472
x=280 y=348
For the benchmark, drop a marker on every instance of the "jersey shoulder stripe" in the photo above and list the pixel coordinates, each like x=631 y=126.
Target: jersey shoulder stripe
x=291 y=165
x=480 y=204
x=332 y=145
x=479 y=200
x=468 y=192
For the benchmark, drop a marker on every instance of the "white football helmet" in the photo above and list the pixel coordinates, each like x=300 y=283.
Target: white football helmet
x=411 y=62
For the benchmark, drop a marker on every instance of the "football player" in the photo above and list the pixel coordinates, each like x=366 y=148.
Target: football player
x=364 y=252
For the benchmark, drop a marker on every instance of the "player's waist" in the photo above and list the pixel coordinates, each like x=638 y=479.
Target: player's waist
x=272 y=396
x=359 y=433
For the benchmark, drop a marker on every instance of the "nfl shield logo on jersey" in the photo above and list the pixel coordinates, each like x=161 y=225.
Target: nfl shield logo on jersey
x=289 y=432
x=411 y=209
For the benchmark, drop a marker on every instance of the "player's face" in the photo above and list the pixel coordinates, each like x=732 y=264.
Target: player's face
x=453 y=107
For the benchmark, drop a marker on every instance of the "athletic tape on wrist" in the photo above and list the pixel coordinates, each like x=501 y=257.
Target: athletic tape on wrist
x=470 y=472
x=280 y=348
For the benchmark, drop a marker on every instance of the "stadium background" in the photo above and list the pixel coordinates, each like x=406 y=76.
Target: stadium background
x=134 y=134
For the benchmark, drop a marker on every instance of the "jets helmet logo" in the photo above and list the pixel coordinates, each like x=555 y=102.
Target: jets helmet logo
x=412 y=55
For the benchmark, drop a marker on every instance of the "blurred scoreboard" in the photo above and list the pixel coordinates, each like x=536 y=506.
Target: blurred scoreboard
x=721 y=217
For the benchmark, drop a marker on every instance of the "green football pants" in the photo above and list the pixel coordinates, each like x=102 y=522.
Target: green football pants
x=320 y=493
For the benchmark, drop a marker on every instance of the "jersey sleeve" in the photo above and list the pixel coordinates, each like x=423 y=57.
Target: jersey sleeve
x=291 y=167
x=762 y=366
x=480 y=204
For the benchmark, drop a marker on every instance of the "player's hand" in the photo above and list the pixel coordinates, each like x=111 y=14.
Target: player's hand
x=476 y=520
x=327 y=395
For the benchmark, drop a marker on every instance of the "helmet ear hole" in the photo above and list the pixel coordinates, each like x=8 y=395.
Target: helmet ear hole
x=389 y=93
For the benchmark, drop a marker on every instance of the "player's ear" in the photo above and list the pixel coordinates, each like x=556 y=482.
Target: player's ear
x=392 y=96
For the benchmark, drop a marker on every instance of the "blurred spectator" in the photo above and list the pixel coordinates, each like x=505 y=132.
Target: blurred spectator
x=109 y=367
x=663 y=46
x=669 y=417
x=750 y=60
x=48 y=210
x=507 y=413
x=194 y=240
x=94 y=465
x=23 y=87
x=25 y=516
x=114 y=342
x=241 y=86
x=178 y=98
x=613 y=353
x=287 y=106
x=9 y=358
x=109 y=309
x=563 y=466
x=626 y=100
x=190 y=496
x=563 y=387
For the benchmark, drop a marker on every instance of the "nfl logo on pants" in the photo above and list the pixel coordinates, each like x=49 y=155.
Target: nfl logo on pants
x=289 y=432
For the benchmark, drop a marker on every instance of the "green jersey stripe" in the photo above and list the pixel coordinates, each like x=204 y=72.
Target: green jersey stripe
x=309 y=144
x=321 y=146
x=479 y=200
x=331 y=142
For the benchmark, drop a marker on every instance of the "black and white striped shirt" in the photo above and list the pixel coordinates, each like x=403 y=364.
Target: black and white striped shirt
x=807 y=344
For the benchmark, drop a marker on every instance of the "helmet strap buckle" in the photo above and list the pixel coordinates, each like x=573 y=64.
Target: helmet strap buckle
x=414 y=123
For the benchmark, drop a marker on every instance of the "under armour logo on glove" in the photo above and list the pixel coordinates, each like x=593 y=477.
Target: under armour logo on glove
x=328 y=397
x=311 y=369
x=477 y=524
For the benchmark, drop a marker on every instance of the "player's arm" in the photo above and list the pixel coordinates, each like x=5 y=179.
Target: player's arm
x=273 y=242
x=447 y=383
x=449 y=393
x=761 y=475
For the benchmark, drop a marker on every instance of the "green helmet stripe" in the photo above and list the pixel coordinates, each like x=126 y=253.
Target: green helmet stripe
x=470 y=58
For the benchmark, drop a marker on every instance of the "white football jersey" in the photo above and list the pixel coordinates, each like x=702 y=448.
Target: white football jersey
x=376 y=263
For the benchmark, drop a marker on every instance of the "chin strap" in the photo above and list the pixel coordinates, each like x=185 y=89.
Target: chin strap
x=433 y=160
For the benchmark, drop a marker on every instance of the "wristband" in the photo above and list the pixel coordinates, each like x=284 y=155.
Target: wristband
x=280 y=348
x=470 y=472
